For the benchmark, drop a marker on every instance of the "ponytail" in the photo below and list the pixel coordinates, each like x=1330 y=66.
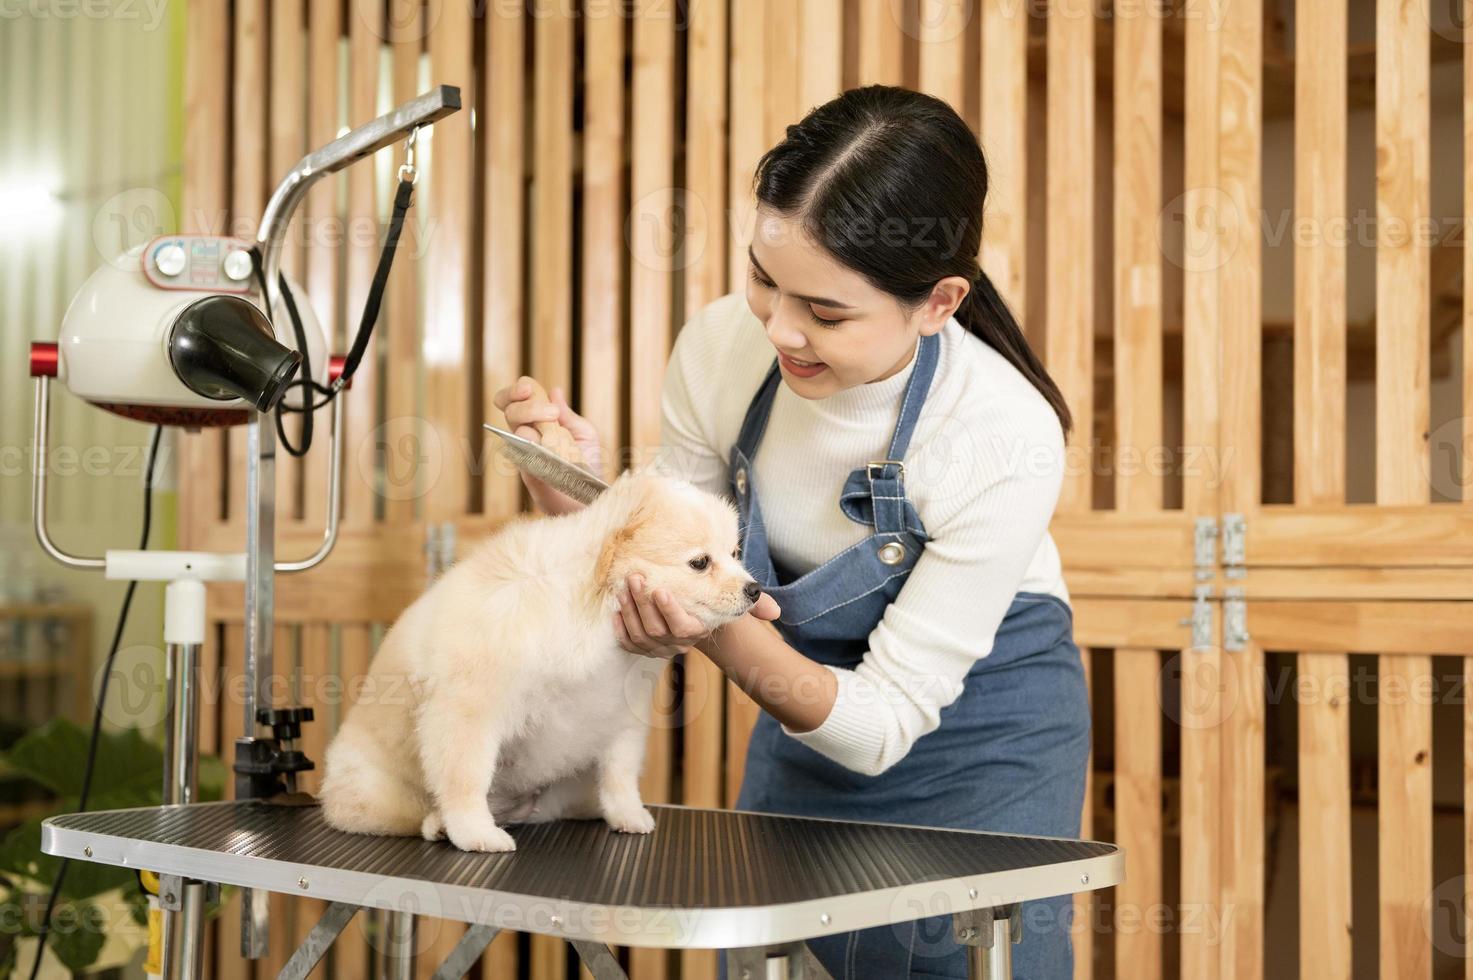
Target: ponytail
x=985 y=313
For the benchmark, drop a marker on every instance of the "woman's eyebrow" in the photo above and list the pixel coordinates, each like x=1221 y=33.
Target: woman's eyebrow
x=815 y=300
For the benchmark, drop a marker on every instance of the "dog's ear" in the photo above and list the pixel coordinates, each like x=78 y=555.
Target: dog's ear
x=643 y=496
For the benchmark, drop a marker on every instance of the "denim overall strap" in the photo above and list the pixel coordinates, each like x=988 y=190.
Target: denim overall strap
x=875 y=492
x=754 y=423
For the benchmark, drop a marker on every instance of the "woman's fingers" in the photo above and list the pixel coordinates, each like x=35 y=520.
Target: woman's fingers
x=654 y=623
x=569 y=419
x=683 y=626
x=765 y=607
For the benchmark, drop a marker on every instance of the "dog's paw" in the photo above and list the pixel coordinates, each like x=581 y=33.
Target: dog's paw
x=478 y=834
x=631 y=820
x=433 y=827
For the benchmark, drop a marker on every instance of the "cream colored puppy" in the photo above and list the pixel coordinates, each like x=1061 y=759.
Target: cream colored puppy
x=502 y=694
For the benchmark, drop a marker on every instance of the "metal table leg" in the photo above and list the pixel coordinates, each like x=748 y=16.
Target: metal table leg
x=989 y=935
x=314 y=947
x=600 y=960
x=398 y=946
x=466 y=952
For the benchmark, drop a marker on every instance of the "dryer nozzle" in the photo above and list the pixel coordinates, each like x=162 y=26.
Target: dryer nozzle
x=222 y=347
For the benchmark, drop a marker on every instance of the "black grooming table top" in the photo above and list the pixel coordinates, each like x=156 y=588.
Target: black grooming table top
x=703 y=878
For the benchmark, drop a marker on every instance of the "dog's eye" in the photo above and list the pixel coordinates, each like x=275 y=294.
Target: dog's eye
x=699 y=564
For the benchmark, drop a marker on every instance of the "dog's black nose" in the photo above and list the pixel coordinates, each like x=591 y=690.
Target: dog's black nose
x=752 y=590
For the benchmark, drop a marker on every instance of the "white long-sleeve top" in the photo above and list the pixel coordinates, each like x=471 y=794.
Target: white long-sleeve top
x=984 y=469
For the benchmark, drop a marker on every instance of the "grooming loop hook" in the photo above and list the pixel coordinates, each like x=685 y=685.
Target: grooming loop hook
x=407 y=170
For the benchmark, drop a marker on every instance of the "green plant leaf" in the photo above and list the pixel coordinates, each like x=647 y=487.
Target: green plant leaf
x=77 y=934
x=55 y=755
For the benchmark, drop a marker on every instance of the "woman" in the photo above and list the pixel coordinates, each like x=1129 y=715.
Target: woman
x=923 y=669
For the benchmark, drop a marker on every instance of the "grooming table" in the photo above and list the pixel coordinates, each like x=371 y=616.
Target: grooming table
x=754 y=884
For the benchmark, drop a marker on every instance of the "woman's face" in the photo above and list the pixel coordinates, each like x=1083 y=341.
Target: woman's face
x=819 y=311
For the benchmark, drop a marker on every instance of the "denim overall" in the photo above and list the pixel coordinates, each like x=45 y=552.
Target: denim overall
x=1010 y=752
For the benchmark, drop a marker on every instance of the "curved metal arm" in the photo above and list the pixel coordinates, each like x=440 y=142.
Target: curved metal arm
x=334 y=495
x=347 y=149
x=38 y=482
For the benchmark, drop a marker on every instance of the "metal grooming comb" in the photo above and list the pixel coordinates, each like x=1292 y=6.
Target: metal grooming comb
x=575 y=481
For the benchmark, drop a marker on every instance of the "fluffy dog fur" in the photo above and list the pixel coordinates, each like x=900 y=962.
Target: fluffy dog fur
x=501 y=694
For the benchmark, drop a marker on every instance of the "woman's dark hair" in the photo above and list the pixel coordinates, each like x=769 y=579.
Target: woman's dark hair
x=891 y=182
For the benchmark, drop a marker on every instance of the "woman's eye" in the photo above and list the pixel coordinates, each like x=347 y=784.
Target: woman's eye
x=758 y=279
x=699 y=564
x=822 y=322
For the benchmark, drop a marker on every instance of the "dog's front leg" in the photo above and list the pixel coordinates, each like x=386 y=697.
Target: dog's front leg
x=618 y=783
x=458 y=751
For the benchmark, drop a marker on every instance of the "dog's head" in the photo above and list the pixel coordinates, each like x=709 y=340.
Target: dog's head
x=680 y=538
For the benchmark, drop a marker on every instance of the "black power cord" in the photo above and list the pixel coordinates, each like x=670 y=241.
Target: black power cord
x=305 y=381
x=107 y=671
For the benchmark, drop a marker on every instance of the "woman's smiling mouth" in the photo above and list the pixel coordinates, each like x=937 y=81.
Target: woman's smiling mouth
x=804 y=369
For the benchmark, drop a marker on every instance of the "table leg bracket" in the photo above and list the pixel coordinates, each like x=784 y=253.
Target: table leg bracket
x=978 y=927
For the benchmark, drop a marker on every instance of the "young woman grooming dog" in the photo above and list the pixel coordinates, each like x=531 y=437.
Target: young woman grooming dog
x=913 y=649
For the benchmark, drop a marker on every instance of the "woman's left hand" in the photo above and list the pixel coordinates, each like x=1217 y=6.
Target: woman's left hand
x=653 y=624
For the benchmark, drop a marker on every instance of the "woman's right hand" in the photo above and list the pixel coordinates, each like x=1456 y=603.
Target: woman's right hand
x=523 y=409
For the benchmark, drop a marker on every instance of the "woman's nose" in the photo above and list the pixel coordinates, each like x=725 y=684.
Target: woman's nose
x=781 y=332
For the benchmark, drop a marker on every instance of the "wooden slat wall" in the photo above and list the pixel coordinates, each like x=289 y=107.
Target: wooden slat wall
x=1319 y=477
x=1138 y=411
x=547 y=244
x=1241 y=323
x=1404 y=727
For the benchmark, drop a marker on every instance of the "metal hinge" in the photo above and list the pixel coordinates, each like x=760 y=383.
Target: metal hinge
x=439 y=549
x=1201 y=618
x=1234 y=544
x=1204 y=547
x=1234 y=619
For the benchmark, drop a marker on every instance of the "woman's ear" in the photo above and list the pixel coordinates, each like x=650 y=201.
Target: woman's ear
x=946 y=298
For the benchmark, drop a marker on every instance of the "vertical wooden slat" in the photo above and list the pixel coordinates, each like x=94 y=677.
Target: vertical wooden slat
x=1202 y=677
x=552 y=190
x=351 y=953
x=943 y=37
x=1082 y=932
x=288 y=128
x=748 y=130
x=705 y=279
x=448 y=344
x=1070 y=247
x=447 y=286
x=781 y=86
x=501 y=344
x=1240 y=310
x=321 y=219
x=1324 y=815
x=823 y=52
x=552 y=265
x=1138 y=951
x=248 y=188
x=1319 y=477
x=229 y=964
x=602 y=336
x=650 y=293
x=1467 y=441
x=365 y=27
x=204 y=195
x=1404 y=748
x=1467 y=460
x=1137 y=201
x=403 y=427
x=314 y=668
x=283 y=920
x=1005 y=144
x=881 y=43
